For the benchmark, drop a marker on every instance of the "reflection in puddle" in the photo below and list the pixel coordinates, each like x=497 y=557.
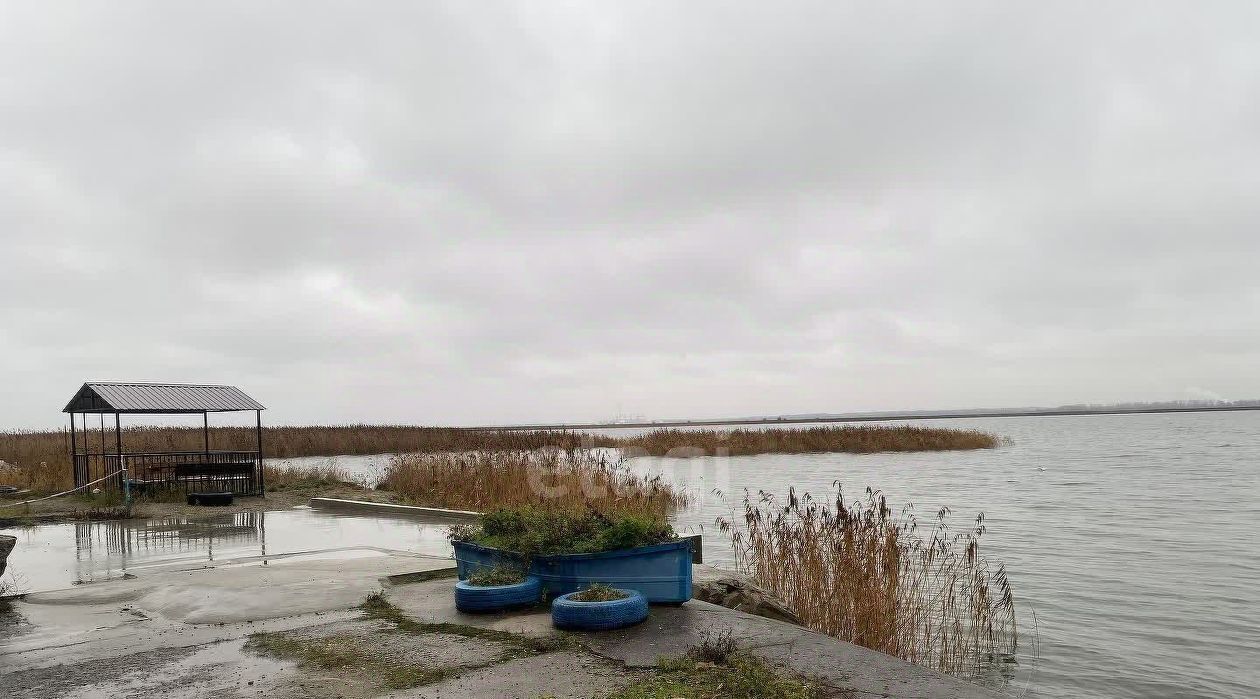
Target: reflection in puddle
x=56 y=556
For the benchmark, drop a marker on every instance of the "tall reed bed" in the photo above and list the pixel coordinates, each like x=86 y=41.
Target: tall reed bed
x=862 y=573
x=556 y=478
x=861 y=439
x=40 y=460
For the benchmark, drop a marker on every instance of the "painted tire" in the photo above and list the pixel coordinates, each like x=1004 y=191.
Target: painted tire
x=471 y=598
x=598 y=616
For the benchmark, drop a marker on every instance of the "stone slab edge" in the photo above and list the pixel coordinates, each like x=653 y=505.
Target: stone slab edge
x=391 y=509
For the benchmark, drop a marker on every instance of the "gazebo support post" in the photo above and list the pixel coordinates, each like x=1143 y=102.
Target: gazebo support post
x=74 y=452
x=262 y=490
x=122 y=463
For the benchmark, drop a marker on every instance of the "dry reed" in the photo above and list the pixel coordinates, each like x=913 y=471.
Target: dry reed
x=860 y=439
x=557 y=478
x=859 y=572
x=40 y=461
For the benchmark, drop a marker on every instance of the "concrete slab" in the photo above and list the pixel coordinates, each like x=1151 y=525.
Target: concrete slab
x=671 y=631
x=183 y=608
x=434 y=602
x=555 y=675
x=158 y=636
x=429 y=514
x=213 y=669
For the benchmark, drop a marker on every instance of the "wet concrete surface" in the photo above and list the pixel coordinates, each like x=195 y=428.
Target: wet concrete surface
x=566 y=675
x=848 y=670
x=212 y=669
x=179 y=609
x=188 y=634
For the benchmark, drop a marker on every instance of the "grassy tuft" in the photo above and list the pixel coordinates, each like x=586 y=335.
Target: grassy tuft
x=375 y=600
x=744 y=676
x=716 y=646
x=598 y=592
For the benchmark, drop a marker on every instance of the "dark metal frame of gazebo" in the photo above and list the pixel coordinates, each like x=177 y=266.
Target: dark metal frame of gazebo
x=238 y=472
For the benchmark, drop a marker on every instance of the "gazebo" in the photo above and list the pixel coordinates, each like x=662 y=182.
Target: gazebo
x=238 y=472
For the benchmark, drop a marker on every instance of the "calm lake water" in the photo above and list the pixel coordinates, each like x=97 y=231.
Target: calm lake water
x=1134 y=538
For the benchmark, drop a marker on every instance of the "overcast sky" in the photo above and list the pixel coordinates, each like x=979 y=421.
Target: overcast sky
x=481 y=212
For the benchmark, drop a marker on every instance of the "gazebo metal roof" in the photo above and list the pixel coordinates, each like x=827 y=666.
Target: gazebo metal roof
x=159 y=399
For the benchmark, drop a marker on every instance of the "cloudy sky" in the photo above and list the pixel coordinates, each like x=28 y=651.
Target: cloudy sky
x=483 y=212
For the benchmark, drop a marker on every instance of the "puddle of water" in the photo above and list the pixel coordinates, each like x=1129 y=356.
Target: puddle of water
x=57 y=556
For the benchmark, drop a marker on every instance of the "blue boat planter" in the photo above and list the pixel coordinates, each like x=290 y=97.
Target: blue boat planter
x=661 y=572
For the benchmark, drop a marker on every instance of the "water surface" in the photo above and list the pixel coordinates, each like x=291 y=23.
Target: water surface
x=57 y=556
x=1133 y=537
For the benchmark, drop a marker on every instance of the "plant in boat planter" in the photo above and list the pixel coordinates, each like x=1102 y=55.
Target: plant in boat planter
x=568 y=549
x=534 y=531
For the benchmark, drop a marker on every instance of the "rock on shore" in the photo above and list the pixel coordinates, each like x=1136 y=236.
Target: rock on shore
x=733 y=590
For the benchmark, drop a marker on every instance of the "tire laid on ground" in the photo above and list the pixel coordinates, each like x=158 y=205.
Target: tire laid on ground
x=567 y=613
x=475 y=598
x=209 y=498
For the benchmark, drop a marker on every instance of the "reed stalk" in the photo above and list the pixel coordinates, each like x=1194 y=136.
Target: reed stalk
x=864 y=574
x=556 y=478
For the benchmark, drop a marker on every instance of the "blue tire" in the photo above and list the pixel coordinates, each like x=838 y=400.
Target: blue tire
x=472 y=598
x=567 y=613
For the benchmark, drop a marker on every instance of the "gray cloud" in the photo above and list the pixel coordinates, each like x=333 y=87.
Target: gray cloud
x=470 y=212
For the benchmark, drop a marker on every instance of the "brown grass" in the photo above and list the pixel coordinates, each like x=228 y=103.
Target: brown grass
x=859 y=439
x=40 y=460
x=558 y=478
x=863 y=574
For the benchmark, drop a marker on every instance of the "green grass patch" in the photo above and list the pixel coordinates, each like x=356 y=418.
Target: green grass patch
x=328 y=653
x=743 y=677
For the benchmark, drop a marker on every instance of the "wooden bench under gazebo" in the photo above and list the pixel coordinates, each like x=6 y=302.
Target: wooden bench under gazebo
x=204 y=471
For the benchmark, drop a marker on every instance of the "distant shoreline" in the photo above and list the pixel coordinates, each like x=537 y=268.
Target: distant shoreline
x=882 y=417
